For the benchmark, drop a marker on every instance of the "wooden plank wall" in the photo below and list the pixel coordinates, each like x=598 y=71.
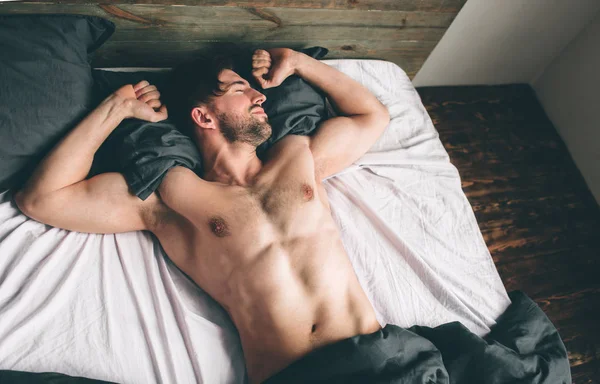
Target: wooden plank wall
x=152 y=33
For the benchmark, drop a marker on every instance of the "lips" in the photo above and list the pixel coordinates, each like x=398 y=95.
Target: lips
x=258 y=111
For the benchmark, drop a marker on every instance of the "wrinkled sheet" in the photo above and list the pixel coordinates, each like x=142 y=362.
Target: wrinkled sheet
x=113 y=307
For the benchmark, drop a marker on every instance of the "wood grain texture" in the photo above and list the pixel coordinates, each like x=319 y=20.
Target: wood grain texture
x=161 y=34
x=452 y=6
x=537 y=215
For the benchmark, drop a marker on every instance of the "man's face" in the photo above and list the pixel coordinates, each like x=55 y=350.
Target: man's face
x=239 y=112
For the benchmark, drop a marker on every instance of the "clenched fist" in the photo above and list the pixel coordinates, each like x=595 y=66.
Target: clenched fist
x=271 y=67
x=143 y=101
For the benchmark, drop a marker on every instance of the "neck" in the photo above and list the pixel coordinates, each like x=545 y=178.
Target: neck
x=234 y=164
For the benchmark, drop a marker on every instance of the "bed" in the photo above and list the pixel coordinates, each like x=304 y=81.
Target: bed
x=114 y=308
x=407 y=226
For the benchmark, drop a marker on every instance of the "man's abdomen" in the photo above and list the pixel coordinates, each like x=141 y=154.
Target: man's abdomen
x=294 y=299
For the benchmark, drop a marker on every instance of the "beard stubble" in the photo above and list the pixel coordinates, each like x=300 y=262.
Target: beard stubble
x=242 y=129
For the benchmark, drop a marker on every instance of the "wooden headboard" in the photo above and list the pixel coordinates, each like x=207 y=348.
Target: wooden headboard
x=161 y=33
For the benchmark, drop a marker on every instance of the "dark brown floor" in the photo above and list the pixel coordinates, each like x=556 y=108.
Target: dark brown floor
x=538 y=218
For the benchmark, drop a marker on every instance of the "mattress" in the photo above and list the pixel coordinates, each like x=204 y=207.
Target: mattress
x=113 y=307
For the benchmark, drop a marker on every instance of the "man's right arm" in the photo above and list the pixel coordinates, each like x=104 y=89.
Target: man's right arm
x=58 y=193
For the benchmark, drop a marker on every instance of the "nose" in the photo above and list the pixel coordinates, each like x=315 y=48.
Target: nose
x=258 y=98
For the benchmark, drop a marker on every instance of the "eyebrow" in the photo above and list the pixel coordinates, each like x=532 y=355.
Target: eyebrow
x=238 y=82
x=226 y=87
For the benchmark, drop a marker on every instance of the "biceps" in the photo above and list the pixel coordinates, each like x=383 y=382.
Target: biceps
x=341 y=141
x=101 y=204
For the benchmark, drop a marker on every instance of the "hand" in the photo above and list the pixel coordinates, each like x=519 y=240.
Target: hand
x=271 y=67
x=142 y=102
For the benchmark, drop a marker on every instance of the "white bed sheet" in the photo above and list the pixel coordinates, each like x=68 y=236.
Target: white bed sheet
x=113 y=307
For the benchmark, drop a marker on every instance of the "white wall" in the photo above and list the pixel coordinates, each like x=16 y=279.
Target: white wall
x=554 y=45
x=569 y=90
x=504 y=41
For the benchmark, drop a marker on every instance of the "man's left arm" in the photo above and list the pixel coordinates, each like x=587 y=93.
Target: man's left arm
x=340 y=141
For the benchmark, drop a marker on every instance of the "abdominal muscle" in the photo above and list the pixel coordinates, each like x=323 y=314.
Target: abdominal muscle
x=286 y=304
x=286 y=297
x=286 y=300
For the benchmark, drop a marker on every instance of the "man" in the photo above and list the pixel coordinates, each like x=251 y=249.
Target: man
x=257 y=236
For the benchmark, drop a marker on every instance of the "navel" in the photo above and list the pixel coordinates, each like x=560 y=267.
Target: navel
x=218 y=226
x=307 y=192
x=314 y=328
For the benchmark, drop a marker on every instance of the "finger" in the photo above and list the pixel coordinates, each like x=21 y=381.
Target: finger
x=261 y=57
x=261 y=63
x=266 y=84
x=140 y=85
x=161 y=114
x=258 y=75
x=149 y=96
x=259 y=72
x=261 y=52
x=146 y=89
x=154 y=103
x=266 y=57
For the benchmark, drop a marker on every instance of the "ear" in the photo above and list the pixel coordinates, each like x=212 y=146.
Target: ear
x=203 y=117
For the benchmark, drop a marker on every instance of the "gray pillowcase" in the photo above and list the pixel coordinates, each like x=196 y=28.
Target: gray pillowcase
x=46 y=85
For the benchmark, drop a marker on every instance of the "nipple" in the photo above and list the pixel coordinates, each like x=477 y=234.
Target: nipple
x=307 y=191
x=218 y=226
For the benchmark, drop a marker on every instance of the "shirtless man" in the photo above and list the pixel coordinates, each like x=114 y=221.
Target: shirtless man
x=257 y=236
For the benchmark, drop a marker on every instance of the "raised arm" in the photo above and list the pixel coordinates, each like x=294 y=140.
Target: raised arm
x=58 y=194
x=340 y=141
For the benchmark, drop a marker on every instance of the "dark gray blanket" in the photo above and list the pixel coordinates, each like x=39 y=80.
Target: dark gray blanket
x=523 y=347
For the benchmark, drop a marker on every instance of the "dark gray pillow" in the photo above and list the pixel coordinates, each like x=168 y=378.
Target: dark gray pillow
x=146 y=151
x=45 y=85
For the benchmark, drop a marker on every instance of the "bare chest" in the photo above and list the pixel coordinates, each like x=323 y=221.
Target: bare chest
x=240 y=223
x=285 y=198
